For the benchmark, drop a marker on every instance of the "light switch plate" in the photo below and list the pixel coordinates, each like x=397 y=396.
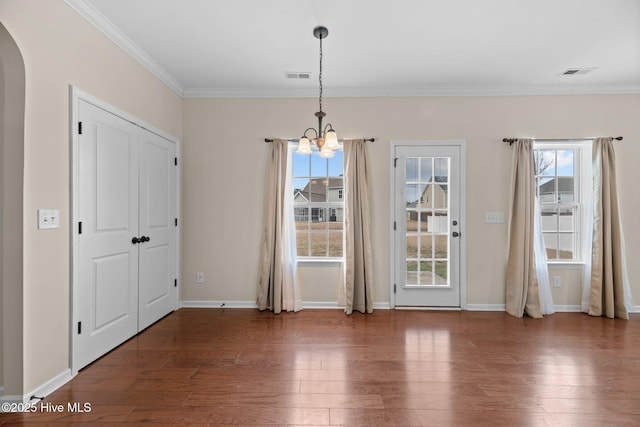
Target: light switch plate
x=48 y=218
x=494 y=217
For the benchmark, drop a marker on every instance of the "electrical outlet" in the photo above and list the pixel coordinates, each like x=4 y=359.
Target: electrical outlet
x=557 y=281
x=199 y=278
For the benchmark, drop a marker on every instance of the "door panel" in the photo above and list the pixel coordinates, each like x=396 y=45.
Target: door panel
x=427 y=222
x=157 y=294
x=108 y=211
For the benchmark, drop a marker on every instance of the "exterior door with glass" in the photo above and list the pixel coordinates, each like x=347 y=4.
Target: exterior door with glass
x=427 y=225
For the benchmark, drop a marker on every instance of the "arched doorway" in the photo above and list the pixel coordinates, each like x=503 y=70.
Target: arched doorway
x=12 y=103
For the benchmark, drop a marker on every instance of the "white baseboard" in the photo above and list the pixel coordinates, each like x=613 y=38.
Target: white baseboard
x=218 y=304
x=42 y=390
x=330 y=305
x=486 y=307
x=568 y=308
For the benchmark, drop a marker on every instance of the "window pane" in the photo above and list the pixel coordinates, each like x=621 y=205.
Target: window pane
x=549 y=219
x=319 y=244
x=546 y=190
x=412 y=169
x=440 y=196
x=335 y=244
x=565 y=190
x=301 y=216
x=441 y=170
x=302 y=243
x=301 y=189
x=566 y=219
x=335 y=163
x=426 y=245
x=565 y=163
x=318 y=190
x=442 y=243
x=412 y=220
x=566 y=245
x=300 y=165
x=412 y=246
x=545 y=162
x=414 y=194
x=441 y=273
x=426 y=169
x=551 y=245
x=439 y=222
x=318 y=165
x=412 y=272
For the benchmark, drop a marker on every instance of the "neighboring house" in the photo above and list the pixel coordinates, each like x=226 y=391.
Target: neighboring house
x=431 y=207
x=547 y=191
x=319 y=191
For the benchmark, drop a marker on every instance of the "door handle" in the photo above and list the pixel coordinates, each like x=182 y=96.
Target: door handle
x=135 y=240
x=144 y=239
x=456 y=234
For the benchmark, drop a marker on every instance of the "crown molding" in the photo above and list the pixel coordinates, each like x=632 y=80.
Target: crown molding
x=91 y=14
x=411 y=92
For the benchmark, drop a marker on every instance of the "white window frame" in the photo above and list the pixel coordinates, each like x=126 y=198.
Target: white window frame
x=581 y=194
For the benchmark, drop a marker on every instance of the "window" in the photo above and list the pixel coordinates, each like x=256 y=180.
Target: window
x=318 y=205
x=558 y=188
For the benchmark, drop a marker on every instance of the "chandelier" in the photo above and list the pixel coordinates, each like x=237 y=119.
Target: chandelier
x=325 y=139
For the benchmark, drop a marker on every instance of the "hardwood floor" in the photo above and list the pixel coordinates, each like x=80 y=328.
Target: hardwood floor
x=321 y=367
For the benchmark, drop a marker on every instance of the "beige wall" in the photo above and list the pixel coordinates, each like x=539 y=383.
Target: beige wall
x=60 y=48
x=224 y=157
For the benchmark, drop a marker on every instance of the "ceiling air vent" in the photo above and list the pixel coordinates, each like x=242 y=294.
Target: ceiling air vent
x=297 y=75
x=573 y=71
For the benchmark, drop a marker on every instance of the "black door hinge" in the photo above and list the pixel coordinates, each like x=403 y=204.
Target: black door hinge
x=394 y=225
x=395 y=162
x=79 y=128
x=175 y=283
x=79 y=328
x=394 y=288
x=176 y=221
x=80 y=227
x=175 y=161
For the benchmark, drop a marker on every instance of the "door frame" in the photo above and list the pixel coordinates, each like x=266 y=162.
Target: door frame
x=75 y=96
x=462 y=145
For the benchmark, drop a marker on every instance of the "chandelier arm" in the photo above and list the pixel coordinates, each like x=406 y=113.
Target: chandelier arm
x=304 y=134
x=320 y=74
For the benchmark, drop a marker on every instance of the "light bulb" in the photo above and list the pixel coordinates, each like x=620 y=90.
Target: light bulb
x=331 y=139
x=303 y=146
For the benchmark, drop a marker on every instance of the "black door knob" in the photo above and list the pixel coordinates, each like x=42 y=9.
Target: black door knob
x=145 y=239
x=135 y=240
x=455 y=234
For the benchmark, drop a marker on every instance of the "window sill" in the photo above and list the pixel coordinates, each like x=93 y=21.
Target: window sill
x=565 y=264
x=319 y=262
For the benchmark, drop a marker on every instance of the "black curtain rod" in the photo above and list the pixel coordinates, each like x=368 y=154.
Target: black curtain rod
x=512 y=140
x=298 y=139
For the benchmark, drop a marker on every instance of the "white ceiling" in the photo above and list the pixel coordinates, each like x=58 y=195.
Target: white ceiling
x=242 y=48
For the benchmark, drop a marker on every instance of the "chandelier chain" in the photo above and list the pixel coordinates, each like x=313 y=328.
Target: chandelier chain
x=320 y=74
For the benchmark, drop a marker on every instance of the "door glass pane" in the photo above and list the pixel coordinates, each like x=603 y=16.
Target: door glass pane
x=412 y=246
x=441 y=273
x=426 y=169
x=442 y=246
x=426 y=245
x=412 y=169
x=441 y=170
x=440 y=196
x=412 y=273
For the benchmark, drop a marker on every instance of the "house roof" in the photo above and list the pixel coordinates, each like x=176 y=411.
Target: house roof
x=316 y=189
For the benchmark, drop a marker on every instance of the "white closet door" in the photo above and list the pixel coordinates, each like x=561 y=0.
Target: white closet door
x=108 y=212
x=157 y=292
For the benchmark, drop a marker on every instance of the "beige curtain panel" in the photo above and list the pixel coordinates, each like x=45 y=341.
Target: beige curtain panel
x=358 y=263
x=607 y=295
x=522 y=295
x=277 y=288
